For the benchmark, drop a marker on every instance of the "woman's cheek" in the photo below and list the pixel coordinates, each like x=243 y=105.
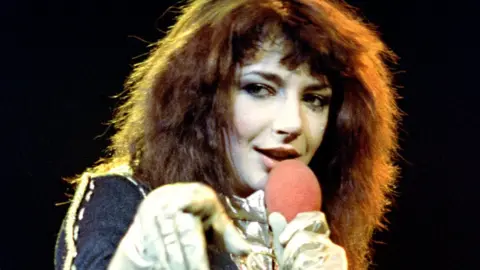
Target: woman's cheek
x=315 y=128
x=246 y=125
x=252 y=116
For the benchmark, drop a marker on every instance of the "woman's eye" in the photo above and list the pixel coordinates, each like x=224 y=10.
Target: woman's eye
x=258 y=90
x=315 y=101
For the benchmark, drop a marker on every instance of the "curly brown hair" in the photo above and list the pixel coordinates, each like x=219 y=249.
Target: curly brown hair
x=171 y=126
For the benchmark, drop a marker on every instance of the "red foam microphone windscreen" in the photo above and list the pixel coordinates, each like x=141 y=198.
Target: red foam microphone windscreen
x=292 y=188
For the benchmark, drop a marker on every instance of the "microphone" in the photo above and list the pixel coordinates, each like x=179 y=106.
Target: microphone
x=292 y=188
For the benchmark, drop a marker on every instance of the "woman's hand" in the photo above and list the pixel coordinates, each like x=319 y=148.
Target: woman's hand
x=304 y=243
x=168 y=230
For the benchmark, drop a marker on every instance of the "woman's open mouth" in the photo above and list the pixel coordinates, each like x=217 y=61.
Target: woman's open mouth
x=272 y=156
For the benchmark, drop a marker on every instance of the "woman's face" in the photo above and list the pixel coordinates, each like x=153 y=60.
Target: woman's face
x=278 y=114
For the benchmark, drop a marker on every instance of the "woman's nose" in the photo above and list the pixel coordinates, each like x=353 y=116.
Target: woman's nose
x=288 y=120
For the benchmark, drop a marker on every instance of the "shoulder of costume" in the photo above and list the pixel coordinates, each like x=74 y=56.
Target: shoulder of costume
x=115 y=189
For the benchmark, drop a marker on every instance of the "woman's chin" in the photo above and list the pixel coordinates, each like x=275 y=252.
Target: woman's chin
x=258 y=183
x=252 y=184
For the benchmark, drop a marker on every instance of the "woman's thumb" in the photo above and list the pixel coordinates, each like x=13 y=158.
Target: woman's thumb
x=278 y=223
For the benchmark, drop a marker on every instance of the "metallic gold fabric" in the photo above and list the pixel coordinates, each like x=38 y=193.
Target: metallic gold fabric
x=250 y=216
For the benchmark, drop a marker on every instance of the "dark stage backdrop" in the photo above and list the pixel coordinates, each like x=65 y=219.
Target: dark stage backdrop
x=62 y=61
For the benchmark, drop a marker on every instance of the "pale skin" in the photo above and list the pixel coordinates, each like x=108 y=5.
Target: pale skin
x=272 y=106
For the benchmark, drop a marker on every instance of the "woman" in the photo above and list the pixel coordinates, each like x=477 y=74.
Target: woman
x=233 y=88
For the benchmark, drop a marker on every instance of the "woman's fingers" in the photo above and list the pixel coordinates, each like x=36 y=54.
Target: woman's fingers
x=313 y=221
x=309 y=250
x=192 y=244
x=307 y=244
x=232 y=238
x=174 y=241
x=162 y=242
x=204 y=203
x=201 y=202
x=168 y=231
x=299 y=247
x=166 y=236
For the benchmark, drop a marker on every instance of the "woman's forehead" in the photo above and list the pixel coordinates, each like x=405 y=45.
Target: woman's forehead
x=269 y=55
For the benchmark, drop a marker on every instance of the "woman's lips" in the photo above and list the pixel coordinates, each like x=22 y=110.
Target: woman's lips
x=269 y=162
x=272 y=156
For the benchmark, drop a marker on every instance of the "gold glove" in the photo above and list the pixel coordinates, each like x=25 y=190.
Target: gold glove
x=304 y=243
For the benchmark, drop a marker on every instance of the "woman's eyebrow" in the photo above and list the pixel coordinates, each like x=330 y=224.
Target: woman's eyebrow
x=279 y=81
x=318 y=87
x=267 y=76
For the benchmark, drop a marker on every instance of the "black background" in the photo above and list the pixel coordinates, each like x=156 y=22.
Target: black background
x=62 y=61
